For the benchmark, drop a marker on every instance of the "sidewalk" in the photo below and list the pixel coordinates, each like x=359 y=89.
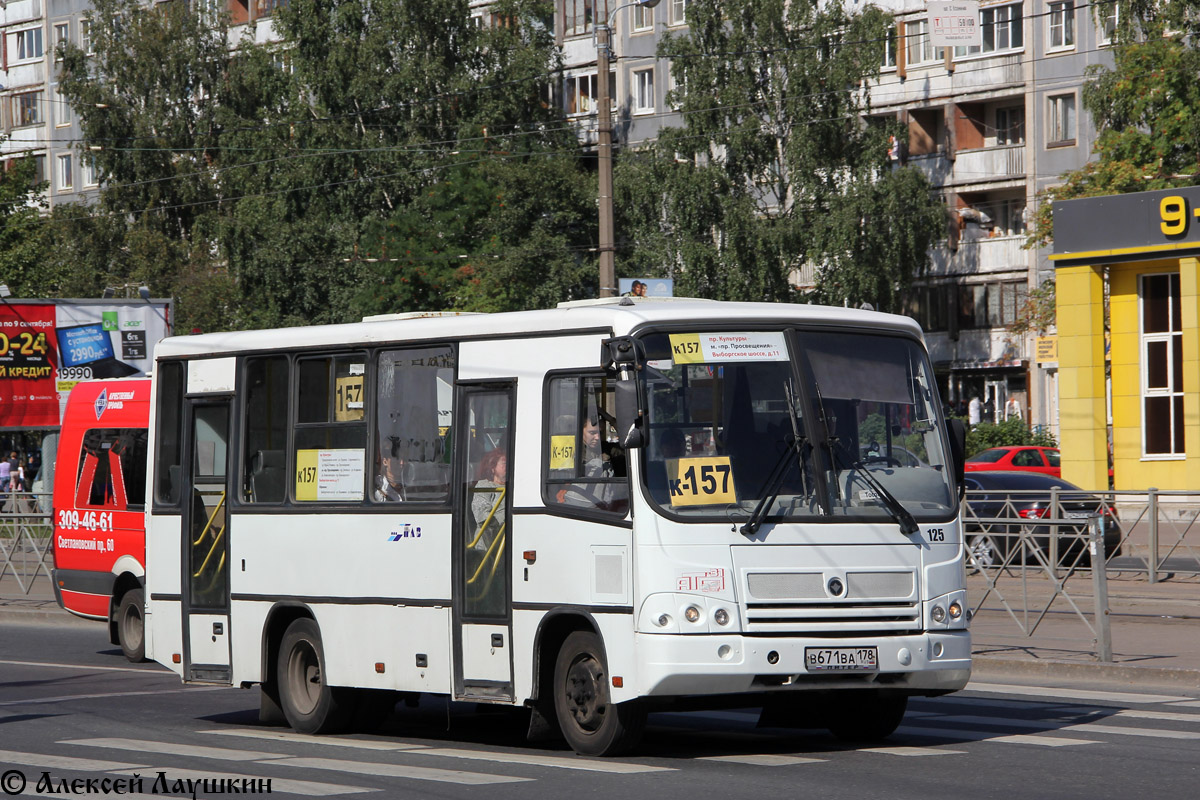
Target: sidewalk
x=1155 y=630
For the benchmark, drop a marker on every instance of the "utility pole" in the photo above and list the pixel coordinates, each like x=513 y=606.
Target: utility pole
x=608 y=246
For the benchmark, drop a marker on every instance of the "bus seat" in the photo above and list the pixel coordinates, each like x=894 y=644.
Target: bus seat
x=426 y=480
x=267 y=479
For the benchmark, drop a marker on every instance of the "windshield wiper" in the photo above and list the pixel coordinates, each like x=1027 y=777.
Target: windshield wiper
x=774 y=484
x=907 y=522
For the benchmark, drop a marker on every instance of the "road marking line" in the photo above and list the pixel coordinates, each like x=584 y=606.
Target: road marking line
x=992 y=702
x=278 y=785
x=175 y=749
x=398 y=771
x=1074 y=694
x=329 y=741
x=1093 y=727
x=543 y=761
x=764 y=760
x=1187 y=704
x=955 y=734
x=36 y=701
x=62 y=762
x=911 y=751
x=1174 y=717
x=155 y=670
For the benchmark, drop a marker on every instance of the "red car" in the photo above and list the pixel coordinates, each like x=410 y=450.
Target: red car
x=1025 y=458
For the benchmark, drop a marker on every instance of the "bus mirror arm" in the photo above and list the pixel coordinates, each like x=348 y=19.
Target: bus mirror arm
x=629 y=419
x=958 y=448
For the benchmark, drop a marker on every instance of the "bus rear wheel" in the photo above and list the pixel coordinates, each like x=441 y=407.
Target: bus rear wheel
x=591 y=723
x=131 y=626
x=309 y=703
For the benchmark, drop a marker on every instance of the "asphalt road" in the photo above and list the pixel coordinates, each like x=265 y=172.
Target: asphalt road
x=73 y=709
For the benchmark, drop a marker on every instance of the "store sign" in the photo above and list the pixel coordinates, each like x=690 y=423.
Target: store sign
x=1047 y=349
x=46 y=347
x=1165 y=221
x=955 y=24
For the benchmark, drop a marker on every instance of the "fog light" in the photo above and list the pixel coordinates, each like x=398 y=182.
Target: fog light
x=664 y=620
x=724 y=652
x=691 y=614
x=955 y=610
x=721 y=616
x=938 y=613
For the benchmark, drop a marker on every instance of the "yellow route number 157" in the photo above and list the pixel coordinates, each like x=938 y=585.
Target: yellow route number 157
x=700 y=481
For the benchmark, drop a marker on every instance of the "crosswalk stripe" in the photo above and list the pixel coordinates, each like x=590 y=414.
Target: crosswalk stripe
x=1166 y=715
x=1074 y=694
x=175 y=749
x=329 y=741
x=38 y=701
x=911 y=751
x=765 y=760
x=960 y=735
x=92 y=667
x=278 y=785
x=62 y=762
x=398 y=771
x=543 y=760
x=1186 y=704
x=990 y=702
x=1094 y=727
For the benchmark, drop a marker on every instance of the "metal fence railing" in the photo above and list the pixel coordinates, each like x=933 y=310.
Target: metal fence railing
x=1038 y=551
x=26 y=535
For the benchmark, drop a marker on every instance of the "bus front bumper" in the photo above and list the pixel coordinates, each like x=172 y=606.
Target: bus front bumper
x=681 y=665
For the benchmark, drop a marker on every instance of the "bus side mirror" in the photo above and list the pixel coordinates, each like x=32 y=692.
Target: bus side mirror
x=629 y=422
x=958 y=449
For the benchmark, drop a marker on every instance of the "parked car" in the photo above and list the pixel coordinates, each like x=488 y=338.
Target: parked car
x=1025 y=458
x=1026 y=496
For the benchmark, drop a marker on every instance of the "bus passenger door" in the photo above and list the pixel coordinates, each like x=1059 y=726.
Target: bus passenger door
x=205 y=524
x=482 y=542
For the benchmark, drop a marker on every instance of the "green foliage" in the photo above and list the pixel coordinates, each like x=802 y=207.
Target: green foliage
x=773 y=169
x=1038 y=313
x=1002 y=434
x=1146 y=109
x=22 y=237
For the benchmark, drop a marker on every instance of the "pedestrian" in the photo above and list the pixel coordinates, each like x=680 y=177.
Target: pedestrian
x=5 y=475
x=974 y=409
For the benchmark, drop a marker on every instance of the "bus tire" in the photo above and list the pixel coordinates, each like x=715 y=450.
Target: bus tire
x=131 y=625
x=591 y=723
x=866 y=717
x=309 y=703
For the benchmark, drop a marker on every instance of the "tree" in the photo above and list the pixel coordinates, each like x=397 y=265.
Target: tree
x=774 y=167
x=22 y=236
x=1146 y=108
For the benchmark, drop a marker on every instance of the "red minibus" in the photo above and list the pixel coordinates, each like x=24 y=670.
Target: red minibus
x=99 y=501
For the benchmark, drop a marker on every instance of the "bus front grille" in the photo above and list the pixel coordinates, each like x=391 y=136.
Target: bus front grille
x=826 y=617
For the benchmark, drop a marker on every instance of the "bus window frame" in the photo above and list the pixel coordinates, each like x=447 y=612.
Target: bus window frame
x=550 y=504
x=157 y=505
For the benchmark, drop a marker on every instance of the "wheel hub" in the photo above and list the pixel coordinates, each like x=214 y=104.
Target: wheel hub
x=585 y=693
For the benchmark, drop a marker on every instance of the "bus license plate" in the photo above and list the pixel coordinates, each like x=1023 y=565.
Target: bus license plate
x=841 y=659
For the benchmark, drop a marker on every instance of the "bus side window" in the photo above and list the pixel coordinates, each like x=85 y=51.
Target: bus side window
x=264 y=429
x=414 y=402
x=584 y=467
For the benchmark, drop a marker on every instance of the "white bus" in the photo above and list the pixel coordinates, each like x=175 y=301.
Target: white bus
x=589 y=511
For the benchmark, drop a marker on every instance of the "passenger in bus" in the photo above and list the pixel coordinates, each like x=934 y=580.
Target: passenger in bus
x=599 y=464
x=389 y=485
x=487 y=498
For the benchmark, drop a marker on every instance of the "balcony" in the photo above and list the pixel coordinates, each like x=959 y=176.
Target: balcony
x=982 y=256
x=989 y=164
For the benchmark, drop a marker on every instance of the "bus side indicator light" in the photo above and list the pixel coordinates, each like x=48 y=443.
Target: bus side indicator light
x=618 y=681
x=176 y=658
x=379 y=667
x=530 y=556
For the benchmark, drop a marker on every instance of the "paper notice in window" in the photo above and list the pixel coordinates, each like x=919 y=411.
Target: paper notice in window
x=330 y=475
x=723 y=348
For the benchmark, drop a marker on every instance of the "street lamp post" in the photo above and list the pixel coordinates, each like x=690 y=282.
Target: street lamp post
x=608 y=269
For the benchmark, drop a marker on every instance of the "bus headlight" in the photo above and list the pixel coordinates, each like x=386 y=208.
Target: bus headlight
x=721 y=616
x=664 y=620
x=956 y=610
x=691 y=614
x=938 y=613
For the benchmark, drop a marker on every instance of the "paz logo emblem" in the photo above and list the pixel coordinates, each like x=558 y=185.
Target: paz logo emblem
x=101 y=402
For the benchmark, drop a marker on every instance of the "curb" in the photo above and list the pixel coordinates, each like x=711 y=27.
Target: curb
x=42 y=616
x=990 y=667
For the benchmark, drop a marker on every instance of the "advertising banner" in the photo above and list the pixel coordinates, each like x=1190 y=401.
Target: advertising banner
x=646 y=287
x=48 y=346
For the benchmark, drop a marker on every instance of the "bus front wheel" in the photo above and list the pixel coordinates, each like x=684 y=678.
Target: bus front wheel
x=591 y=723
x=131 y=626
x=309 y=703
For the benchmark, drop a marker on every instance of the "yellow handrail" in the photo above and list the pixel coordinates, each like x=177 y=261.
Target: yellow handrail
x=500 y=490
x=220 y=534
x=211 y=517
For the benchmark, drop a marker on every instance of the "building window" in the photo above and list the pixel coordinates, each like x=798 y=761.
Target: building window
x=1062 y=25
x=675 y=89
x=579 y=16
x=1061 y=119
x=1010 y=217
x=91 y=175
x=1162 y=365
x=643 y=18
x=1108 y=23
x=643 y=91
x=1001 y=29
x=66 y=177
x=27 y=109
x=1010 y=125
x=62 y=109
x=62 y=35
x=678 y=9
x=889 y=49
x=919 y=48
x=85 y=37
x=26 y=45
x=581 y=91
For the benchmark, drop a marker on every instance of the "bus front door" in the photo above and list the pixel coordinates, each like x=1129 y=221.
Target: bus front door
x=205 y=524
x=482 y=523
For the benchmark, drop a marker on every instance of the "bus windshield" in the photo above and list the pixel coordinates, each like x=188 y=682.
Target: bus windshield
x=810 y=425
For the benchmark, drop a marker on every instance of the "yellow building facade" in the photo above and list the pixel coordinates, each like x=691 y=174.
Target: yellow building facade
x=1128 y=318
